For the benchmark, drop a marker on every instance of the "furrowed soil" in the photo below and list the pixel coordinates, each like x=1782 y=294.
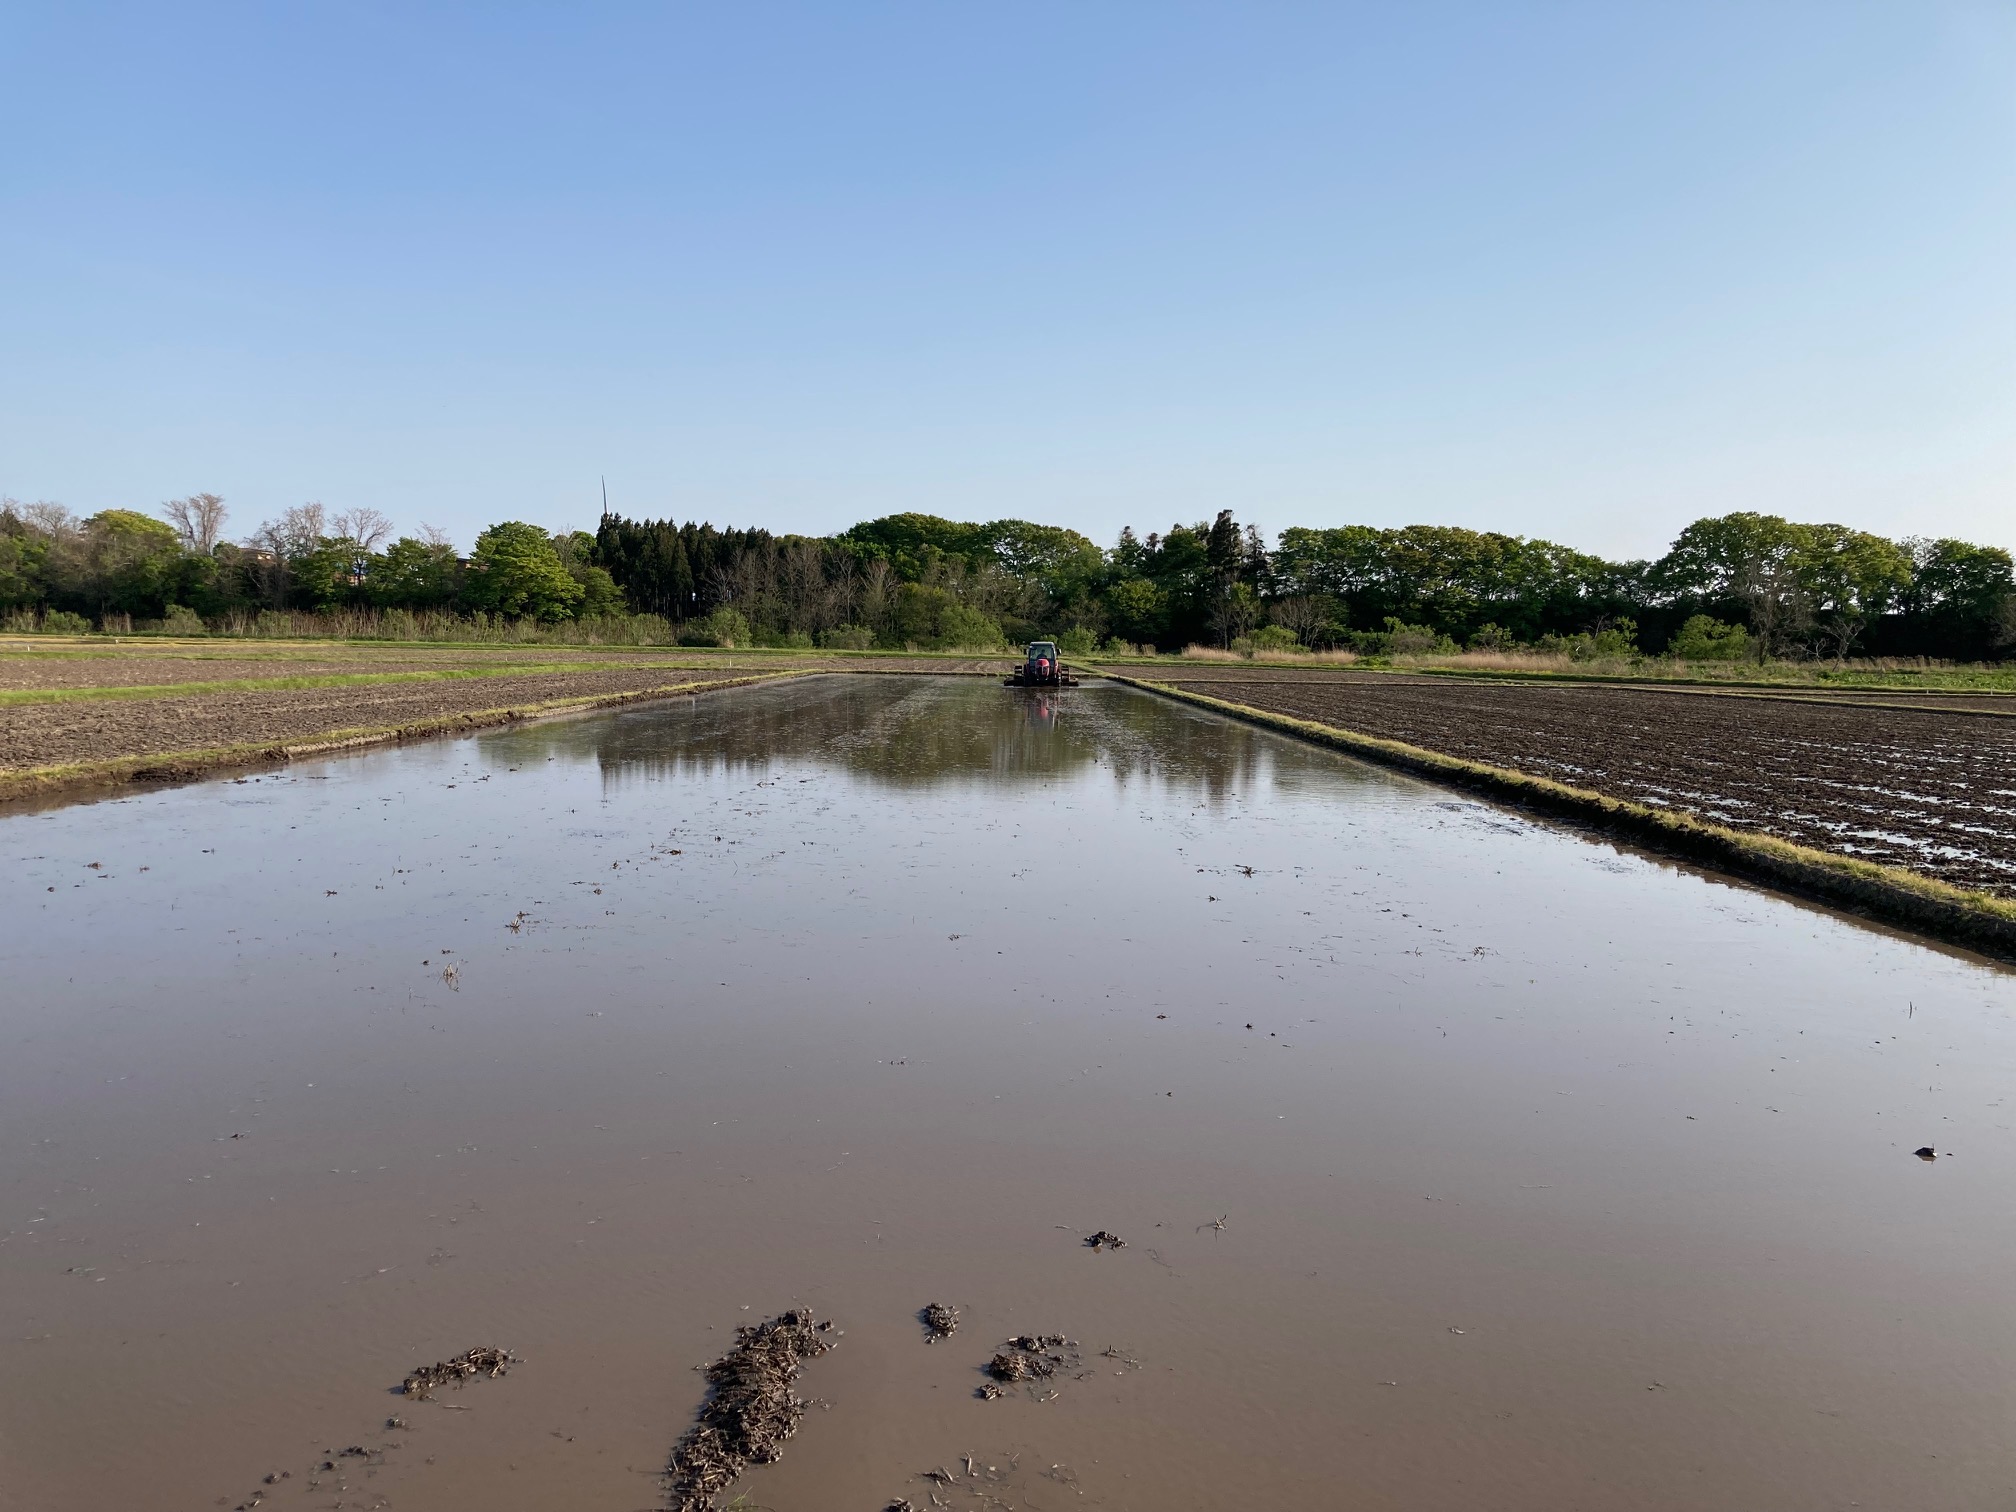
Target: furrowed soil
x=141 y=715
x=1928 y=790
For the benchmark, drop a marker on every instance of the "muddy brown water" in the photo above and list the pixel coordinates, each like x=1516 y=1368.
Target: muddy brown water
x=1551 y=1176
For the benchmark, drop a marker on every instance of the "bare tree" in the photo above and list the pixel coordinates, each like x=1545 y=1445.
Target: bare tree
x=272 y=548
x=364 y=525
x=1780 y=609
x=1301 y=614
x=198 y=519
x=878 y=593
x=802 y=586
x=434 y=535
x=1236 y=612
x=52 y=519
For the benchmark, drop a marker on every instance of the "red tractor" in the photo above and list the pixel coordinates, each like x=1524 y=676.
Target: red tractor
x=1042 y=667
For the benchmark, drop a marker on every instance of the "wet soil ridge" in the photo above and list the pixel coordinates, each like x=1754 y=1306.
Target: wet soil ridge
x=1977 y=919
x=484 y=1360
x=1923 y=789
x=752 y=1407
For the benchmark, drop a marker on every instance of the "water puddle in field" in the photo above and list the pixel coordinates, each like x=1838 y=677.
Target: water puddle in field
x=1460 y=1163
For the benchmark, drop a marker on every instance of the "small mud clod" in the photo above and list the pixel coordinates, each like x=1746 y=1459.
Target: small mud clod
x=940 y=1322
x=1104 y=1240
x=1027 y=1358
x=1926 y=1152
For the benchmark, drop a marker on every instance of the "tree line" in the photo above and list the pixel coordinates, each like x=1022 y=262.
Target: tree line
x=1743 y=584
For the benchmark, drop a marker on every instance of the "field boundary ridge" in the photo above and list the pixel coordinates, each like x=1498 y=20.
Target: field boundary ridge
x=186 y=766
x=1891 y=894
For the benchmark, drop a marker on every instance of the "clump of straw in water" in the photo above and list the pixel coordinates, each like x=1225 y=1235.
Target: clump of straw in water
x=483 y=1361
x=750 y=1410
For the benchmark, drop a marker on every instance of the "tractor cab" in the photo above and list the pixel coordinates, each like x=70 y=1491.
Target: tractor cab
x=1042 y=667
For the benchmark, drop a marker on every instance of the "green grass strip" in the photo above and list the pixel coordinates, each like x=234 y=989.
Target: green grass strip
x=1979 y=920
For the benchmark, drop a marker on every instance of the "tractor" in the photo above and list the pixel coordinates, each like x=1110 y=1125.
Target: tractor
x=1041 y=667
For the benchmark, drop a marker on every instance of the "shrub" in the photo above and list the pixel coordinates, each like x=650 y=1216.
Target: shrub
x=725 y=627
x=1618 y=642
x=1077 y=641
x=961 y=628
x=787 y=640
x=181 y=620
x=847 y=638
x=1492 y=638
x=1400 y=639
x=1704 y=638
x=1275 y=638
x=63 y=622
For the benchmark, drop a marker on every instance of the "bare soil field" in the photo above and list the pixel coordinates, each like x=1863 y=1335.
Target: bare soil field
x=99 y=730
x=41 y=671
x=1931 y=791
x=28 y=665
x=131 y=721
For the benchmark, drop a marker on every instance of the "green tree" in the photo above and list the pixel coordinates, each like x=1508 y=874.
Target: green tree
x=1137 y=609
x=331 y=573
x=1961 y=600
x=24 y=553
x=122 y=562
x=1754 y=560
x=1850 y=577
x=415 y=574
x=516 y=571
x=599 y=593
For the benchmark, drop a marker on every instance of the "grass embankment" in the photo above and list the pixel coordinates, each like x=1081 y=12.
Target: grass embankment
x=180 y=766
x=1978 y=920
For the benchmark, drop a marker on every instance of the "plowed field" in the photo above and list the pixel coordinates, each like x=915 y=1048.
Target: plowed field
x=63 y=703
x=1932 y=791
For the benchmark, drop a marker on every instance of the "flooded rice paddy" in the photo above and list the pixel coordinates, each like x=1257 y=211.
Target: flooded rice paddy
x=1461 y=1163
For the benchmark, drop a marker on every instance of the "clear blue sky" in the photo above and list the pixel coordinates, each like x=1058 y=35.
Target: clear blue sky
x=1577 y=270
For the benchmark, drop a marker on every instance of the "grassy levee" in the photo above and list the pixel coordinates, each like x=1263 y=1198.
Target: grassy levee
x=1980 y=921
x=71 y=778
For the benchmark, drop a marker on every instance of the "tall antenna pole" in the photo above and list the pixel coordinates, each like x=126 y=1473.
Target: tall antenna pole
x=605 y=496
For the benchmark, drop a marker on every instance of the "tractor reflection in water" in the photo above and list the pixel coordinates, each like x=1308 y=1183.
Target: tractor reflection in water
x=1040 y=711
x=1042 y=667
